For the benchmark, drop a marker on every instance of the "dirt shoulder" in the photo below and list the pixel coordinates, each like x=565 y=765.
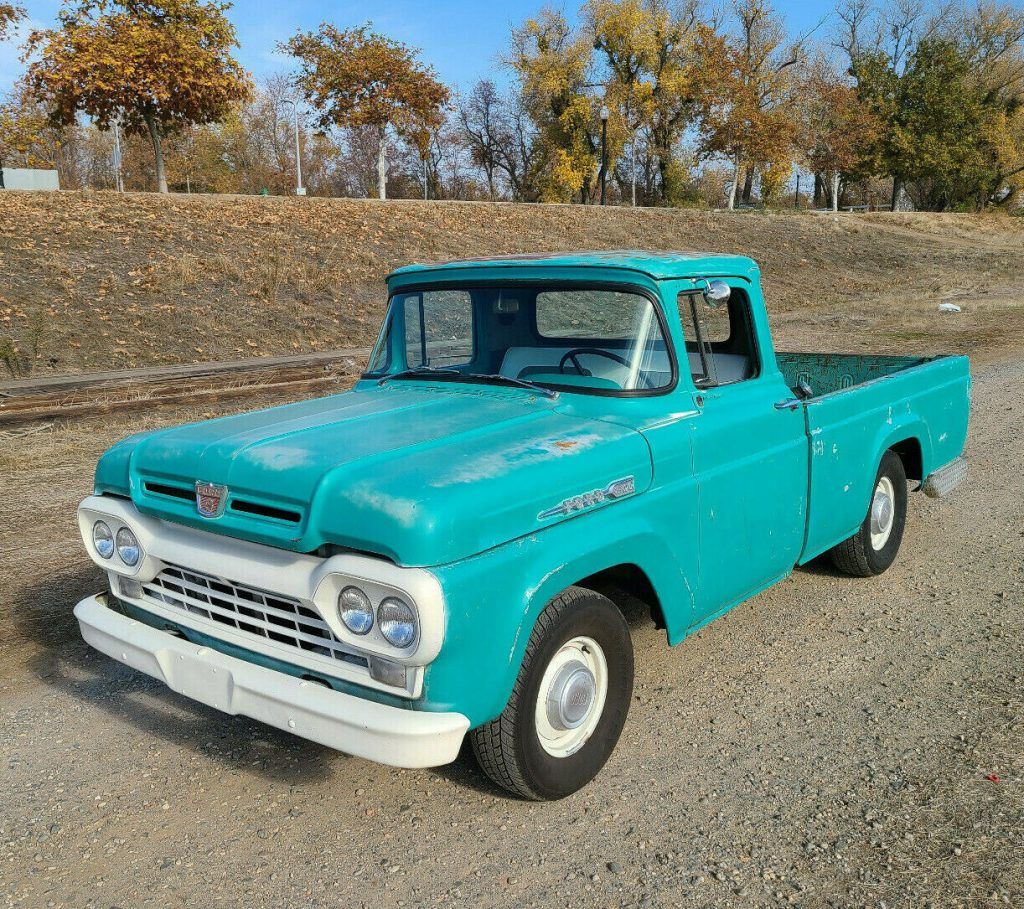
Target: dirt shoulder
x=831 y=743
x=97 y=281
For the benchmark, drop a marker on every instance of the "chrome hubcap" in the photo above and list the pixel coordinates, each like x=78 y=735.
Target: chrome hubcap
x=571 y=697
x=883 y=510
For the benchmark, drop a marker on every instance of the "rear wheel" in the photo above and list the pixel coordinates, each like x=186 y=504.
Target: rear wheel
x=569 y=702
x=872 y=549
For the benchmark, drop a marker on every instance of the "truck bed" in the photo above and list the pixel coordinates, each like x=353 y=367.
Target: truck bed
x=825 y=373
x=858 y=407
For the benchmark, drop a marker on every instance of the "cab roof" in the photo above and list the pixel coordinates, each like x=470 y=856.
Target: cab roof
x=657 y=265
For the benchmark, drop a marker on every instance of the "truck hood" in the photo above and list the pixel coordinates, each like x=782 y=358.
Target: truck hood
x=423 y=474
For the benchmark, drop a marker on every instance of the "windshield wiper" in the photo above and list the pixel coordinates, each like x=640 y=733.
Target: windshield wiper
x=420 y=371
x=456 y=375
x=509 y=380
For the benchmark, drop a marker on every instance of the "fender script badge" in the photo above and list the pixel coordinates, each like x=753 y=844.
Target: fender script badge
x=210 y=499
x=616 y=490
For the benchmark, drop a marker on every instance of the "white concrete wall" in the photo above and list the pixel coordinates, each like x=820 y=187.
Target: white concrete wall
x=30 y=178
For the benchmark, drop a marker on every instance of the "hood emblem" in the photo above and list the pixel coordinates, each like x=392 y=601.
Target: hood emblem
x=210 y=499
x=616 y=490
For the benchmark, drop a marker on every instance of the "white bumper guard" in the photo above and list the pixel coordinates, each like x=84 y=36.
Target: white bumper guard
x=367 y=729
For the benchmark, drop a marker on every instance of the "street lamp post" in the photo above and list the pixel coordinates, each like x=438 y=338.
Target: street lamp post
x=604 y=151
x=300 y=190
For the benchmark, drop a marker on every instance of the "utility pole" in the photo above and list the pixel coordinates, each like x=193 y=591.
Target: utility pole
x=300 y=190
x=604 y=151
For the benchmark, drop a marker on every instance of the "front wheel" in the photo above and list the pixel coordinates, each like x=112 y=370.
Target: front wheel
x=569 y=702
x=872 y=549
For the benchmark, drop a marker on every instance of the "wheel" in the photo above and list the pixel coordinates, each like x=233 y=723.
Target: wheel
x=569 y=702
x=872 y=549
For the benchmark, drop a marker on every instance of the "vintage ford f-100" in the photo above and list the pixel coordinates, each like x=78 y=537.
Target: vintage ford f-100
x=445 y=549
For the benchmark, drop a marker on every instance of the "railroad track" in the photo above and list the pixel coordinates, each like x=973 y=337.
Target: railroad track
x=57 y=397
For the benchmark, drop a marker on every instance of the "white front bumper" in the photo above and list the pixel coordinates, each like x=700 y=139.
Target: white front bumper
x=379 y=732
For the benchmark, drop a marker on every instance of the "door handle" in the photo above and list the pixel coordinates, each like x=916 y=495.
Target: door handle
x=788 y=404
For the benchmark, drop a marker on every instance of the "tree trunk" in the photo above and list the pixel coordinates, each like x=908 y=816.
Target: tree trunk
x=835 y=191
x=748 y=186
x=897 y=187
x=158 y=151
x=735 y=183
x=819 y=191
x=382 y=164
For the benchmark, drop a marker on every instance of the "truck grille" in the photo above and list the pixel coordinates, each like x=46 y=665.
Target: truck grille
x=249 y=610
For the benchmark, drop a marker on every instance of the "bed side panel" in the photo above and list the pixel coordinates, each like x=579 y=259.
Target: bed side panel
x=850 y=430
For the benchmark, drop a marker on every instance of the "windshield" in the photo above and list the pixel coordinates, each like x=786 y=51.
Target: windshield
x=587 y=339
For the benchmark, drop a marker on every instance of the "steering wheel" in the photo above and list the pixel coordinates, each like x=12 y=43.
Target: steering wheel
x=572 y=355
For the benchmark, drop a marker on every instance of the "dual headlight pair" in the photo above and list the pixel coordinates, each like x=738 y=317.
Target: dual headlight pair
x=124 y=541
x=395 y=618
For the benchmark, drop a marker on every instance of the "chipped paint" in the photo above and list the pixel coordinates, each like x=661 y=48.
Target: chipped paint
x=494 y=463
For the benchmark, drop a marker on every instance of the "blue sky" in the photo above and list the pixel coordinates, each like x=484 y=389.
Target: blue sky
x=462 y=39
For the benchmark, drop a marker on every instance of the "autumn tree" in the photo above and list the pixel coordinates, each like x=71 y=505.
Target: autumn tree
x=9 y=16
x=553 y=64
x=749 y=111
x=355 y=78
x=655 y=76
x=154 y=66
x=23 y=135
x=838 y=127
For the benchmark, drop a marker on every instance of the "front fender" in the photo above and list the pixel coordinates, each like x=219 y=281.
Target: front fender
x=494 y=600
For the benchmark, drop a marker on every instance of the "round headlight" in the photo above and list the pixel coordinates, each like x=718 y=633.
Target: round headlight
x=397 y=622
x=128 y=547
x=355 y=610
x=103 y=539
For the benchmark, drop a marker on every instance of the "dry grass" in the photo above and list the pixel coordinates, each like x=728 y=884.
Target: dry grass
x=48 y=471
x=96 y=281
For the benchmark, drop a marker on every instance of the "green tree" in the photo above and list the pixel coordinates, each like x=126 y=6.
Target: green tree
x=946 y=134
x=154 y=66
x=356 y=78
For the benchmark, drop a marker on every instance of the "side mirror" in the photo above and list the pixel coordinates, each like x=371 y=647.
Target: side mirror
x=716 y=293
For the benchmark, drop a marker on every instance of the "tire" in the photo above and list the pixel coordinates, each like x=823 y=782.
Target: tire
x=525 y=750
x=869 y=553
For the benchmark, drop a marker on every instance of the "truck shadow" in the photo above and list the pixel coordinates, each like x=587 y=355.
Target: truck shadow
x=822 y=567
x=68 y=665
x=65 y=663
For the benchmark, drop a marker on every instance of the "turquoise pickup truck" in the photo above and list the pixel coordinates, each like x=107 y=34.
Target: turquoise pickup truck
x=445 y=550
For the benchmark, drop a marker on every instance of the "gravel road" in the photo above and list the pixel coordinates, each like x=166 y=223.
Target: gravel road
x=832 y=743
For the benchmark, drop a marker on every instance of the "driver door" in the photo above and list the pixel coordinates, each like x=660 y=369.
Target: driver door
x=749 y=455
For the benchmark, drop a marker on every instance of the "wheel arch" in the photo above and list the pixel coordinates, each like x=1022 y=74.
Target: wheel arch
x=912 y=455
x=489 y=624
x=911 y=441
x=628 y=586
